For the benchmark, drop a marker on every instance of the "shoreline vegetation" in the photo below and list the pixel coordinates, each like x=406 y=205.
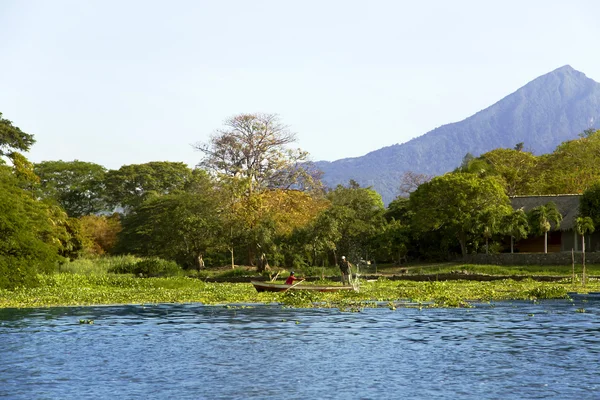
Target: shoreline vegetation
x=89 y=283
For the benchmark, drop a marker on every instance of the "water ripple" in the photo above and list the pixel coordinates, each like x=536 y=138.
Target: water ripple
x=509 y=350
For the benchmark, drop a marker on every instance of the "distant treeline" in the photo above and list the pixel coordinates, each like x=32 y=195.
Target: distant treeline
x=253 y=201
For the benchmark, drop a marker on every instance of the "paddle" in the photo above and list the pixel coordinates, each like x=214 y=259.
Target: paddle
x=273 y=279
x=295 y=284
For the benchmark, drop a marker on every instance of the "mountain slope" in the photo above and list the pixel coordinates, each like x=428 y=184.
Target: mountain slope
x=542 y=114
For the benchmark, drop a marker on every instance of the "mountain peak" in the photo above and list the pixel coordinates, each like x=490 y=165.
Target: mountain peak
x=565 y=68
x=547 y=111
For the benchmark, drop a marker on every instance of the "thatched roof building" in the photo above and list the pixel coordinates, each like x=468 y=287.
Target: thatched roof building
x=567 y=204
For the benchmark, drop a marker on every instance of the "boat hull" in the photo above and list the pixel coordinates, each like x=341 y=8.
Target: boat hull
x=277 y=287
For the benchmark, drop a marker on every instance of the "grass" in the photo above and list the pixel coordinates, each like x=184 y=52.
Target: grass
x=97 y=266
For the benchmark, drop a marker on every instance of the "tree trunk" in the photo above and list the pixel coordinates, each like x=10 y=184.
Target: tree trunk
x=583 y=259
x=487 y=247
x=200 y=262
x=512 y=244
x=232 y=262
x=546 y=242
x=573 y=266
x=463 y=243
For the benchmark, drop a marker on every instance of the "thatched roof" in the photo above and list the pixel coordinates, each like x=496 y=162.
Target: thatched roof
x=567 y=204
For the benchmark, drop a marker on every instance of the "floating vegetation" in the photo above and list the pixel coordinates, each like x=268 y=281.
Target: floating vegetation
x=86 y=321
x=67 y=289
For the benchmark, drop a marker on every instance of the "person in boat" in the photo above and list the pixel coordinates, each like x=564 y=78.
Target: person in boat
x=345 y=269
x=290 y=280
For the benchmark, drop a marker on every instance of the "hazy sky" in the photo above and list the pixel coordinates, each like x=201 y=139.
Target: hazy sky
x=127 y=82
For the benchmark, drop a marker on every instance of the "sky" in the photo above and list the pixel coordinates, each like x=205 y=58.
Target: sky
x=127 y=82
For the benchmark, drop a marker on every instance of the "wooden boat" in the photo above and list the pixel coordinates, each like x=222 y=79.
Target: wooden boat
x=280 y=287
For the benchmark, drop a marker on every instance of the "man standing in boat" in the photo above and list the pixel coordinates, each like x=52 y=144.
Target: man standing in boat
x=345 y=269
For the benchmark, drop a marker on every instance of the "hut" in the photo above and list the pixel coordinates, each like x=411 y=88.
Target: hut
x=565 y=238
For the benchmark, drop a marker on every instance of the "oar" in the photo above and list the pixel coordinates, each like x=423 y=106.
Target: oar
x=273 y=279
x=295 y=284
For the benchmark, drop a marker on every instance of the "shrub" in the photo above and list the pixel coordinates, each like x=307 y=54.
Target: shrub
x=149 y=267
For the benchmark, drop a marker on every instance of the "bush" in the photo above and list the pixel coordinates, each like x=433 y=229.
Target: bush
x=149 y=267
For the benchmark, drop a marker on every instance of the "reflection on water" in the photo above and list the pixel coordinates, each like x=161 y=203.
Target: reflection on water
x=503 y=351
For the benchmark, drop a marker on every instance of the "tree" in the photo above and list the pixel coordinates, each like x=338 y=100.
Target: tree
x=589 y=204
x=457 y=204
x=514 y=167
x=12 y=138
x=253 y=148
x=131 y=185
x=541 y=219
x=249 y=157
x=516 y=225
x=99 y=233
x=181 y=227
x=572 y=167
x=584 y=225
x=410 y=181
x=30 y=233
x=77 y=186
x=358 y=213
x=519 y=146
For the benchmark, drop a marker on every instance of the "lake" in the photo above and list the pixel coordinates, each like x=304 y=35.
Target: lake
x=508 y=350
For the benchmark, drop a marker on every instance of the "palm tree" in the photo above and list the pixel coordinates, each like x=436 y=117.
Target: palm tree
x=516 y=225
x=584 y=225
x=541 y=219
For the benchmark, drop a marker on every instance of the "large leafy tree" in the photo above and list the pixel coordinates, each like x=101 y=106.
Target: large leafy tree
x=541 y=219
x=458 y=204
x=129 y=186
x=31 y=234
x=359 y=213
x=182 y=227
x=13 y=139
x=77 y=186
x=514 y=167
x=572 y=168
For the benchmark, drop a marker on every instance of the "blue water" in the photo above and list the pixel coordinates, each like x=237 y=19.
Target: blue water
x=516 y=350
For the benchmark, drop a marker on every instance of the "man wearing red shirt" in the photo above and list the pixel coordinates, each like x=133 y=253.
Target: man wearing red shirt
x=290 y=280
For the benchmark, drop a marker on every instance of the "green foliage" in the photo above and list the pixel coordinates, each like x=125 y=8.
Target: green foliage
x=77 y=186
x=149 y=267
x=74 y=289
x=28 y=232
x=177 y=227
x=458 y=205
x=98 y=266
x=589 y=204
x=131 y=185
x=12 y=138
x=356 y=215
x=584 y=225
x=516 y=168
x=548 y=292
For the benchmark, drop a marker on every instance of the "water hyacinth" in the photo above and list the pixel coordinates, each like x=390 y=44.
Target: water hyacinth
x=66 y=289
